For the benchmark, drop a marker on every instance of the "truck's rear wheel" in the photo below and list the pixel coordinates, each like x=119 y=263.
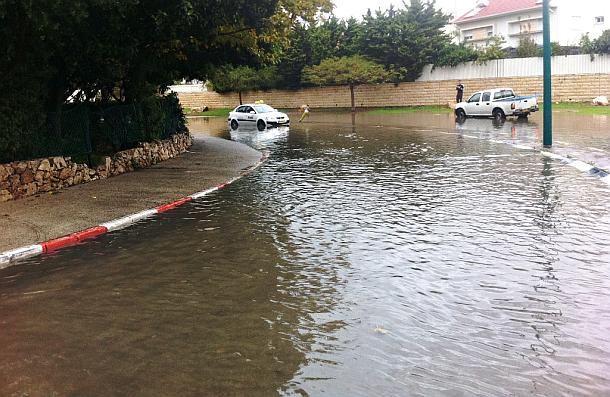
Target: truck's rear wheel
x=234 y=124
x=498 y=114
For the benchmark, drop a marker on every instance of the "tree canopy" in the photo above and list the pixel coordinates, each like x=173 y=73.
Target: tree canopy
x=128 y=50
x=351 y=71
x=407 y=39
x=528 y=48
x=494 y=50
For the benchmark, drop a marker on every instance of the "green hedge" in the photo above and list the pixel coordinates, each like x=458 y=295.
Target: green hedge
x=85 y=128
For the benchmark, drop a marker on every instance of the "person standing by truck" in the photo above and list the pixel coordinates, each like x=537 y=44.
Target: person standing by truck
x=459 y=88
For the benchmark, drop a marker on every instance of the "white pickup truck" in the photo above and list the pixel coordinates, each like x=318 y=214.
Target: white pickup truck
x=497 y=103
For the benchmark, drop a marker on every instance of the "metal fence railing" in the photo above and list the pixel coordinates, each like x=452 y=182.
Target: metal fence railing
x=518 y=67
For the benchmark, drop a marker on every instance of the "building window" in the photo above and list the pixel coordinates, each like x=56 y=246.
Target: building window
x=468 y=37
x=599 y=19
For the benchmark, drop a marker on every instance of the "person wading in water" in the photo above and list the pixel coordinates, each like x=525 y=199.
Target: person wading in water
x=305 y=110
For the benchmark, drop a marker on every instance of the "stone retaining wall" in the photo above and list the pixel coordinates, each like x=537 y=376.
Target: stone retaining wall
x=27 y=178
x=577 y=88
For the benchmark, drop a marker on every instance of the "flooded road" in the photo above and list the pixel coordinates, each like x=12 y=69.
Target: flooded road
x=409 y=259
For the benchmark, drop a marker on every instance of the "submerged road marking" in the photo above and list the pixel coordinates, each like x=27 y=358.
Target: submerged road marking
x=581 y=166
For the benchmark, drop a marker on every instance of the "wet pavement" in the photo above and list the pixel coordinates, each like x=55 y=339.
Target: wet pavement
x=208 y=162
x=385 y=257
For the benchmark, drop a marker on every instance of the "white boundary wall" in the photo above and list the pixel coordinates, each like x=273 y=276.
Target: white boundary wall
x=519 y=67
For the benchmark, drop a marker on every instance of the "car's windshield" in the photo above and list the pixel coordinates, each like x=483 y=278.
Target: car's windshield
x=264 y=109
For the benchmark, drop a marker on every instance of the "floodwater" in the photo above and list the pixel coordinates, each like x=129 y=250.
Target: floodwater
x=396 y=256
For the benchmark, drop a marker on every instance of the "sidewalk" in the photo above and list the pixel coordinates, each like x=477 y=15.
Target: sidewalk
x=209 y=162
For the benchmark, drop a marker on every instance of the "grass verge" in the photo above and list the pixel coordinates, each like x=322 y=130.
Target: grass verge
x=222 y=112
x=579 y=108
x=410 y=109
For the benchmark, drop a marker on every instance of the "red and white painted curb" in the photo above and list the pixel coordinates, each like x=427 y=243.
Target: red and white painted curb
x=8 y=258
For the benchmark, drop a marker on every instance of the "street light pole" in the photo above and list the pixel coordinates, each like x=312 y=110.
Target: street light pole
x=548 y=92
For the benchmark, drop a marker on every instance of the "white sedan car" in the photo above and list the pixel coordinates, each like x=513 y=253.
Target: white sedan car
x=259 y=115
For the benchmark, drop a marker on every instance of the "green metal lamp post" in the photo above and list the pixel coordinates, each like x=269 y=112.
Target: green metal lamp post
x=548 y=92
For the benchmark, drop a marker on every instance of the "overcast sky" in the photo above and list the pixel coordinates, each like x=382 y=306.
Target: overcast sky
x=356 y=8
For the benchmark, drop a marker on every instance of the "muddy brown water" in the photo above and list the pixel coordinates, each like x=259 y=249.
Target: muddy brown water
x=400 y=255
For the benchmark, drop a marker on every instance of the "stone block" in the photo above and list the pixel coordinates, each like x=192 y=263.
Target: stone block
x=39 y=177
x=20 y=167
x=5 y=195
x=45 y=165
x=33 y=164
x=65 y=174
x=59 y=163
x=32 y=189
x=5 y=172
x=27 y=177
x=15 y=181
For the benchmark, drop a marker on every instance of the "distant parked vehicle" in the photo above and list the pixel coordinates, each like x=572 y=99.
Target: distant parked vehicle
x=256 y=114
x=498 y=103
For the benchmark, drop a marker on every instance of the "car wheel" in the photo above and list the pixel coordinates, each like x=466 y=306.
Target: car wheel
x=260 y=125
x=460 y=114
x=498 y=114
x=234 y=124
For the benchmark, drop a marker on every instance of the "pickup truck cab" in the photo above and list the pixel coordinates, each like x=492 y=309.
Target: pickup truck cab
x=498 y=103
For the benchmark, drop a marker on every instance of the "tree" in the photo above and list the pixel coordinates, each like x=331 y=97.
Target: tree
x=351 y=38
x=350 y=71
x=294 y=58
x=244 y=78
x=587 y=46
x=97 y=45
x=602 y=43
x=558 y=50
x=454 y=54
x=310 y=44
x=528 y=48
x=127 y=50
x=405 y=40
x=493 y=50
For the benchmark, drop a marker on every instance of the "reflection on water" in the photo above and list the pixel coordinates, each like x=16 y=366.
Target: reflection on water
x=259 y=139
x=359 y=260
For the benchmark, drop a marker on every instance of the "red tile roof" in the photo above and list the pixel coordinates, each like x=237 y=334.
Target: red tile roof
x=497 y=7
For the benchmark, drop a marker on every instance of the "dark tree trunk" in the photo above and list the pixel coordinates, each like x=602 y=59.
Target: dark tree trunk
x=240 y=101
x=351 y=90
